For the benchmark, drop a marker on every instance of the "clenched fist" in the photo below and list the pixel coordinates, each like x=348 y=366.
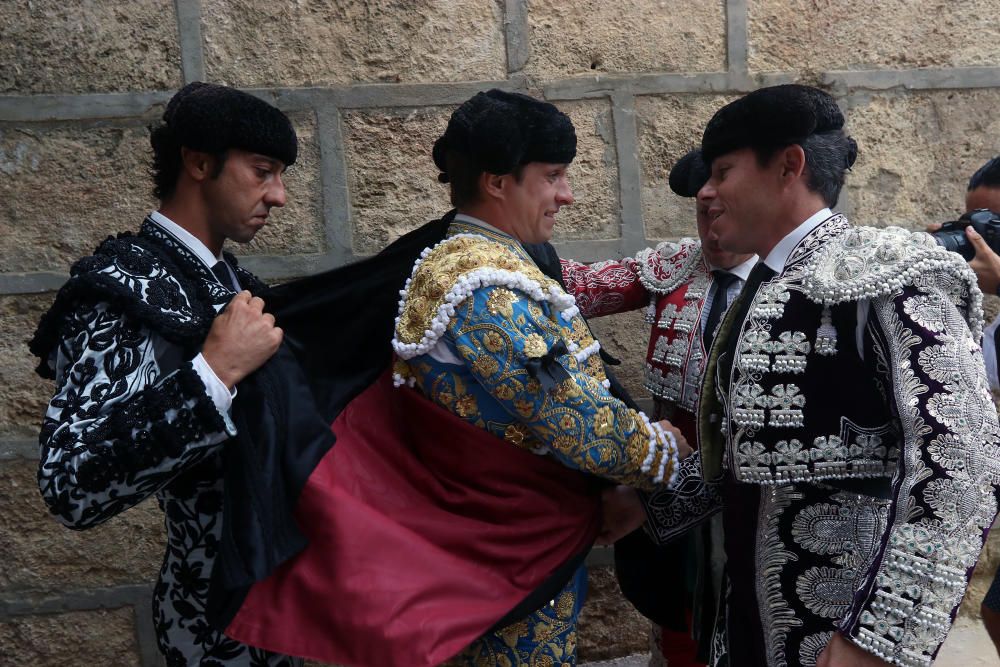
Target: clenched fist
x=241 y=339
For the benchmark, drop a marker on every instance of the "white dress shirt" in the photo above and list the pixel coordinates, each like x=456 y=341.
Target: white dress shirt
x=742 y=272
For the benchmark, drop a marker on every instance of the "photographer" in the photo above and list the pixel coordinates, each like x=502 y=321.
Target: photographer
x=984 y=193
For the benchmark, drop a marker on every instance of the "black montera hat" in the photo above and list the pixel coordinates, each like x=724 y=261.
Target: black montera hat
x=501 y=131
x=212 y=118
x=772 y=117
x=689 y=174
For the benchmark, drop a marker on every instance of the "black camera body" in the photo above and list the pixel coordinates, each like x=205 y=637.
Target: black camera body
x=952 y=236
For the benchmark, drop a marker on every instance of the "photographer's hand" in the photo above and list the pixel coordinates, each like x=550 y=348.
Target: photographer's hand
x=986 y=263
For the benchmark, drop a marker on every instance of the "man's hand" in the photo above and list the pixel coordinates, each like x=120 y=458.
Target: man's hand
x=622 y=512
x=841 y=653
x=241 y=339
x=986 y=263
x=684 y=450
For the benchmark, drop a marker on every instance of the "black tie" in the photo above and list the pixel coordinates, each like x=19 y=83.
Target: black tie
x=761 y=273
x=222 y=274
x=722 y=280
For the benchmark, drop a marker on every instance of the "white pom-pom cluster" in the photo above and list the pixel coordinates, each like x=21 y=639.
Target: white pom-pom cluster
x=587 y=352
x=398 y=381
x=664 y=441
x=466 y=285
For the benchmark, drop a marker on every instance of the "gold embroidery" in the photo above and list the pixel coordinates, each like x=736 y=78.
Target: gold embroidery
x=524 y=408
x=516 y=433
x=567 y=423
x=485 y=365
x=466 y=406
x=501 y=302
x=505 y=392
x=564 y=605
x=604 y=421
x=534 y=346
x=442 y=269
x=493 y=341
x=513 y=632
x=567 y=389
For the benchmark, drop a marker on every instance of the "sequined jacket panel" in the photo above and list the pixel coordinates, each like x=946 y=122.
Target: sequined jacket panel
x=876 y=468
x=131 y=419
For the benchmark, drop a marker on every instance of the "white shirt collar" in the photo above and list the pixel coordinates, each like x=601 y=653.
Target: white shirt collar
x=778 y=256
x=741 y=271
x=462 y=217
x=186 y=238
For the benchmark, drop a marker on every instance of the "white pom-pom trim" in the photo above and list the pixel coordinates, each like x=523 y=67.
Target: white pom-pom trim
x=464 y=287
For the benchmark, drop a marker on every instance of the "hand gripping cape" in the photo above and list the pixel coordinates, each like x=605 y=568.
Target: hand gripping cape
x=410 y=536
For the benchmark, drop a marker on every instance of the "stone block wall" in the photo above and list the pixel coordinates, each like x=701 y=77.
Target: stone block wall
x=369 y=85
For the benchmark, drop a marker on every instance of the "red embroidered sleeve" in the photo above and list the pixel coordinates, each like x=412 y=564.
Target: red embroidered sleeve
x=605 y=288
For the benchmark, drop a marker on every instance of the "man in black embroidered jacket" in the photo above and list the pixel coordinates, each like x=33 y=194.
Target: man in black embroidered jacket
x=145 y=370
x=844 y=408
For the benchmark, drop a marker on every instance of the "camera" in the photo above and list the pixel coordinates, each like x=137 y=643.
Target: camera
x=952 y=237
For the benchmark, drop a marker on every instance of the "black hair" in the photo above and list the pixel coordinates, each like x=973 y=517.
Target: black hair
x=987 y=176
x=828 y=157
x=167 y=162
x=463 y=174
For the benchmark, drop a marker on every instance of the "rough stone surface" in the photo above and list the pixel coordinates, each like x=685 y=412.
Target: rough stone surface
x=23 y=395
x=297 y=227
x=63 y=189
x=393 y=184
x=394 y=187
x=261 y=43
x=41 y=555
x=49 y=46
x=609 y=625
x=94 y=181
x=817 y=35
x=967 y=645
x=916 y=153
x=982 y=577
x=667 y=127
x=593 y=175
x=101 y=637
x=626 y=337
x=591 y=36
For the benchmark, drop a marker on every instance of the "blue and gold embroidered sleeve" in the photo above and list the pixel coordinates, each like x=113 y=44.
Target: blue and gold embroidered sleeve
x=498 y=331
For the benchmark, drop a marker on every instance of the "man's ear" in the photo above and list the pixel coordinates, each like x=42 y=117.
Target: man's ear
x=198 y=165
x=493 y=185
x=793 y=163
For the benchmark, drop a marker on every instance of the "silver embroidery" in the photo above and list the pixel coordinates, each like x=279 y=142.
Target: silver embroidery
x=849 y=530
x=790 y=352
x=786 y=405
x=776 y=615
x=826 y=334
x=812 y=646
x=922 y=576
x=748 y=404
x=754 y=348
x=770 y=304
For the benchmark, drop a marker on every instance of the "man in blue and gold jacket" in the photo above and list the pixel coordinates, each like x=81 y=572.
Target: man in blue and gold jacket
x=485 y=334
x=453 y=514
